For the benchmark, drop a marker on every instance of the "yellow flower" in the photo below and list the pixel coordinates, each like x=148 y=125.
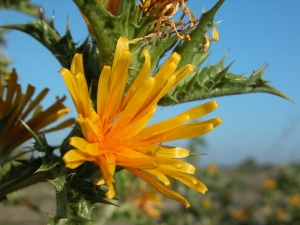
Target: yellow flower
x=206 y=203
x=149 y=201
x=15 y=106
x=212 y=169
x=269 y=184
x=281 y=215
x=117 y=134
x=293 y=200
x=240 y=214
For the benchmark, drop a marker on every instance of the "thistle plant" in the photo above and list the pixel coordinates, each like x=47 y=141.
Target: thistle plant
x=136 y=57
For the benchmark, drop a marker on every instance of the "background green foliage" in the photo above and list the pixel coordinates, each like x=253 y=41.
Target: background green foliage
x=236 y=196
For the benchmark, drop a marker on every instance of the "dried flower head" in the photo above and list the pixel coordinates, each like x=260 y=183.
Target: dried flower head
x=164 y=11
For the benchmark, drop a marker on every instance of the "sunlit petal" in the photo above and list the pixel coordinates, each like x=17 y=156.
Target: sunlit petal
x=165 y=191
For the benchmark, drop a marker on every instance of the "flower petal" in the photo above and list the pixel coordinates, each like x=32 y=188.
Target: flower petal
x=200 y=110
x=77 y=65
x=103 y=91
x=140 y=79
x=75 y=158
x=163 y=126
x=165 y=191
x=164 y=151
x=159 y=175
x=84 y=146
x=107 y=176
x=188 y=180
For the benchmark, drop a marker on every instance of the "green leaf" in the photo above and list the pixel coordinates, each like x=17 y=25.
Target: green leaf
x=77 y=213
x=22 y=175
x=58 y=182
x=46 y=166
x=40 y=142
x=24 y=6
x=62 y=47
x=215 y=81
x=103 y=25
x=5 y=61
x=76 y=196
x=191 y=51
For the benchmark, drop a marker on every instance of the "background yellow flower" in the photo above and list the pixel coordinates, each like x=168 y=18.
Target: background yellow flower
x=16 y=106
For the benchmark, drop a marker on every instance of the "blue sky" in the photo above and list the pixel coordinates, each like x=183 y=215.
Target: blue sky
x=261 y=126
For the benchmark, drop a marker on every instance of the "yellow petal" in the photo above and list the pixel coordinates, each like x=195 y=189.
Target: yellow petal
x=200 y=110
x=45 y=118
x=126 y=152
x=62 y=125
x=174 y=58
x=77 y=65
x=118 y=82
x=182 y=132
x=111 y=162
x=161 y=88
x=163 y=126
x=122 y=45
x=99 y=182
x=140 y=79
x=159 y=175
x=135 y=127
x=71 y=84
x=175 y=165
x=90 y=132
x=84 y=146
x=186 y=179
x=83 y=96
x=165 y=191
x=21 y=105
x=183 y=72
x=103 y=91
x=134 y=106
x=141 y=163
x=35 y=102
x=164 y=151
x=161 y=91
x=75 y=158
x=12 y=85
x=215 y=122
x=107 y=176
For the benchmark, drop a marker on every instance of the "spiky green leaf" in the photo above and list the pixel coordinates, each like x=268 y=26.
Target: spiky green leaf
x=58 y=182
x=24 y=6
x=22 y=175
x=46 y=166
x=216 y=81
x=62 y=47
x=193 y=50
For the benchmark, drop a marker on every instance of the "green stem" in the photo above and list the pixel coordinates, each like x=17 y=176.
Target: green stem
x=61 y=204
x=105 y=27
x=27 y=179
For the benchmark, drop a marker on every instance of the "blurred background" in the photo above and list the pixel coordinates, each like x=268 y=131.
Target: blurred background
x=255 y=152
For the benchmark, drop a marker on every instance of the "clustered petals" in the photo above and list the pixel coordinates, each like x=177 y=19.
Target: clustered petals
x=116 y=134
x=16 y=106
